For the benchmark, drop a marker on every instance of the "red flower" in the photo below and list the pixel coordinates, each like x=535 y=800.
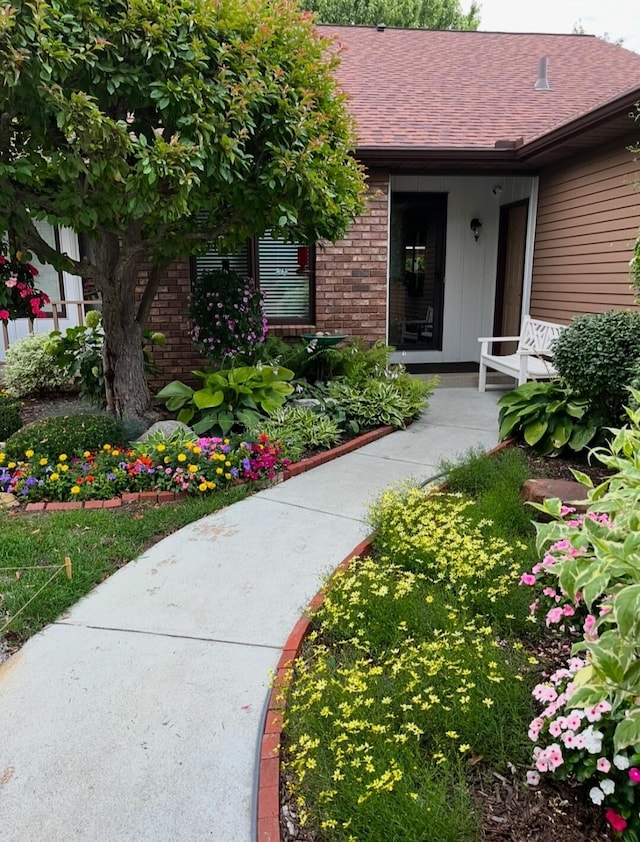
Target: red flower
x=615 y=820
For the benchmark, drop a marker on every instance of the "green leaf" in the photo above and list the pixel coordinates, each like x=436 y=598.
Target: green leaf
x=534 y=431
x=628 y=731
x=626 y=609
x=175 y=389
x=205 y=399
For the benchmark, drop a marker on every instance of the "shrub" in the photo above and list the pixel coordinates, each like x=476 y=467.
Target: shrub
x=229 y=397
x=227 y=315
x=373 y=403
x=300 y=429
x=69 y=434
x=30 y=368
x=549 y=417
x=596 y=355
x=10 y=419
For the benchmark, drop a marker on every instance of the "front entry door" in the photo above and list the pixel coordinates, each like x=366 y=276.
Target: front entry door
x=417 y=255
x=510 y=278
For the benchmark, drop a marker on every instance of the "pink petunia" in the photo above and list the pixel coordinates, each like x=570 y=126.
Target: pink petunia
x=617 y=822
x=634 y=774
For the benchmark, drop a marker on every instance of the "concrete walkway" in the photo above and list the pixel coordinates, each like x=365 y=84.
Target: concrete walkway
x=136 y=717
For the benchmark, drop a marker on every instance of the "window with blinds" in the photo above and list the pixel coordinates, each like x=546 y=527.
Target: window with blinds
x=283 y=270
x=284 y=275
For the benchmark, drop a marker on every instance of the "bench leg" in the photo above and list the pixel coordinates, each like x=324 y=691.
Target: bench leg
x=482 y=377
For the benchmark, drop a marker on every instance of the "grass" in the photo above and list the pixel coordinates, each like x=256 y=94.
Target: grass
x=415 y=672
x=98 y=543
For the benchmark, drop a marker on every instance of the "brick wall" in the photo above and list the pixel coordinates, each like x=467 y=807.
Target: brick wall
x=351 y=275
x=179 y=357
x=351 y=291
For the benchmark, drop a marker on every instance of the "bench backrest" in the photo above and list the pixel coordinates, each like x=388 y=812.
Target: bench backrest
x=537 y=335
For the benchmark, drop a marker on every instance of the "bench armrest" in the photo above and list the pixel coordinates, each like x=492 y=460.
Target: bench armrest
x=498 y=339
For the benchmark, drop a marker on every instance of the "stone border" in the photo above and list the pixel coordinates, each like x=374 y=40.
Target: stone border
x=172 y=497
x=268 y=800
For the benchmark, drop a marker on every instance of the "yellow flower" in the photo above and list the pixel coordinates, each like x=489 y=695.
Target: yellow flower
x=86 y=454
x=117 y=453
x=64 y=468
x=182 y=457
x=203 y=486
x=166 y=460
x=219 y=471
x=464 y=747
x=161 y=448
x=28 y=453
x=43 y=461
x=106 y=447
x=63 y=457
x=192 y=469
x=11 y=465
x=227 y=464
x=75 y=489
x=197 y=449
x=54 y=477
x=2 y=455
x=227 y=476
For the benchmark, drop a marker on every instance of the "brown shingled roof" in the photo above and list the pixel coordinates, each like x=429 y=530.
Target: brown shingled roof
x=466 y=90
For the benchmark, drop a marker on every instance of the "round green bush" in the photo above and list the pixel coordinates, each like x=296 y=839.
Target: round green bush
x=596 y=355
x=70 y=434
x=10 y=419
x=29 y=367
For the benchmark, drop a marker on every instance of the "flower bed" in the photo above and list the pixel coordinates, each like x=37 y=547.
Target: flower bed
x=197 y=467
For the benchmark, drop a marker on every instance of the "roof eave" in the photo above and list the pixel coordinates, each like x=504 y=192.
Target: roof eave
x=439 y=158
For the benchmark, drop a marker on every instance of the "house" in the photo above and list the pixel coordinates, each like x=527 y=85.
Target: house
x=500 y=183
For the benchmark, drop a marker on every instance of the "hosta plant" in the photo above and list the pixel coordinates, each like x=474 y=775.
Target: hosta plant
x=301 y=428
x=548 y=416
x=228 y=397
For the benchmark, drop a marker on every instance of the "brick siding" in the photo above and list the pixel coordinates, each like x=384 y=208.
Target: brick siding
x=351 y=291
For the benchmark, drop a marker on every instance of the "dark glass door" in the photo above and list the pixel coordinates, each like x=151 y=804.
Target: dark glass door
x=416 y=270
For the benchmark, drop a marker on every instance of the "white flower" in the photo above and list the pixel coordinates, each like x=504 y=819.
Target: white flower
x=607 y=786
x=621 y=762
x=533 y=778
x=596 y=795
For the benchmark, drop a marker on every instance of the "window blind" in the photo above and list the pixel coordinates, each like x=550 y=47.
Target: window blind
x=283 y=273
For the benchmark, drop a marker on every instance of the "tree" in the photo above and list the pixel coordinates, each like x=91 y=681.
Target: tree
x=420 y=14
x=578 y=29
x=159 y=127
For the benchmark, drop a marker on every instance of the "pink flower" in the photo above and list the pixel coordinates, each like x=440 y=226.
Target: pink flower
x=568 y=610
x=550 y=592
x=553 y=616
x=533 y=778
x=527 y=579
x=634 y=774
x=603 y=765
x=615 y=820
x=11 y=282
x=4 y=315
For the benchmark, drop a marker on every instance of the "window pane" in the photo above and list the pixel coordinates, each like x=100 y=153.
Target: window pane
x=49 y=279
x=284 y=274
x=214 y=262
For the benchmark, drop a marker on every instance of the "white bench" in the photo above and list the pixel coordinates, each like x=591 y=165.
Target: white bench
x=532 y=359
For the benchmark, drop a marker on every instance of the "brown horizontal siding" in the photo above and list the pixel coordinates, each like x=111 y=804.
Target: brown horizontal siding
x=588 y=219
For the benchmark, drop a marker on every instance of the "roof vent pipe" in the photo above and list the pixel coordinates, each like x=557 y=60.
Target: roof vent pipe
x=542 y=82
x=380 y=27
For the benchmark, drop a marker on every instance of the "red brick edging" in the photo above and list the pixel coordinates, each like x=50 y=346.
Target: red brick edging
x=172 y=497
x=268 y=819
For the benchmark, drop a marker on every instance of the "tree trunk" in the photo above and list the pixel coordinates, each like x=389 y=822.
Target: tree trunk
x=127 y=393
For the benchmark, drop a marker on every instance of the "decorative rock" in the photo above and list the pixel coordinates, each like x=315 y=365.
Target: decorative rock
x=306 y=403
x=570 y=492
x=166 y=428
x=8 y=501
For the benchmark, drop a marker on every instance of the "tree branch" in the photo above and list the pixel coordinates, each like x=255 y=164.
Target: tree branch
x=148 y=296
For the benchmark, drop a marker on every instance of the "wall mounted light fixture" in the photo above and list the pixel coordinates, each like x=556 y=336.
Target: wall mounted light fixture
x=476 y=226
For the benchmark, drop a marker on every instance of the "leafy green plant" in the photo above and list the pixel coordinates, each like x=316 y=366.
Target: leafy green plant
x=10 y=419
x=229 y=397
x=596 y=355
x=300 y=429
x=549 y=417
x=372 y=403
x=30 y=368
x=78 y=353
x=70 y=434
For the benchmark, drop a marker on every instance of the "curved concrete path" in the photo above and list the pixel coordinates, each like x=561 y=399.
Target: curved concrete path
x=136 y=717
